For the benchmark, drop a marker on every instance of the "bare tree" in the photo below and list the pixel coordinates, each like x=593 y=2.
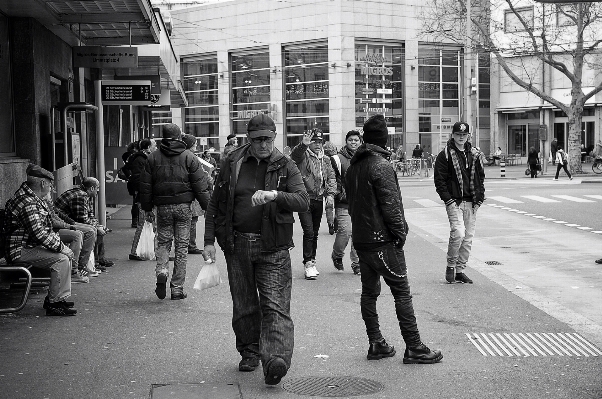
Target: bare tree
x=565 y=37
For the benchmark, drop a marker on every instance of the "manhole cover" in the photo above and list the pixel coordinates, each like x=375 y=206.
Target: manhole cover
x=493 y=262
x=332 y=387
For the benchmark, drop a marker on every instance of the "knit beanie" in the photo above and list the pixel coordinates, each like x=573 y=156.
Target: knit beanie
x=189 y=139
x=375 y=131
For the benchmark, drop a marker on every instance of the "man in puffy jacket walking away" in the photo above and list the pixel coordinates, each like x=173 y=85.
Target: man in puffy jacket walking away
x=251 y=216
x=171 y=179
x=320 y=184
x=379 y=234
x=459 y=180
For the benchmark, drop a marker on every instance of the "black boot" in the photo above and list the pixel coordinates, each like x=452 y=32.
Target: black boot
x=380 y=349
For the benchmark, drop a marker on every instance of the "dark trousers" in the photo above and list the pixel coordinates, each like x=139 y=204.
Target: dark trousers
x=388 y=262
x=310 y=223
x=260 y=286
x=563 y=166
x=192 y=241
x=135 y=212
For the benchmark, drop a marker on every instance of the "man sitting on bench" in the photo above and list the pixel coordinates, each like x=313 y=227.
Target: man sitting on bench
x=30 y=239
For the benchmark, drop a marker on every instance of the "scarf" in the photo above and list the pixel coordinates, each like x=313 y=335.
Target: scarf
x=476 y=157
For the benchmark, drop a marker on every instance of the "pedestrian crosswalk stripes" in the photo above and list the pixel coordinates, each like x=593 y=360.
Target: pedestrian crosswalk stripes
x=505 y=200
x=571 y=198
x=533 y=344
x=427 y=203
x=498 y=200
x=598 y=197
x=539 y=198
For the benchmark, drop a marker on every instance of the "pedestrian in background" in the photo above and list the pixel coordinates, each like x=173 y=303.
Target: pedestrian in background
x=340 y=163
x=254 y=228
x=561 y=163
x=379 y=235
x=320 y=184
x=533 y=161
x=197 y=211
x=330 y=150
x=231 y=144
x=136 y=164
x=459 y=180
x=131 y=149
x=171 y=179
x=553 y=150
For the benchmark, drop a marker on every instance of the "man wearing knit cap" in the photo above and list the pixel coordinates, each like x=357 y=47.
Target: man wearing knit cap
x=459 y=179
x=379 y=232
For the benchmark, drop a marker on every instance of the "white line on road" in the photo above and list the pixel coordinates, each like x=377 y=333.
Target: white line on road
x=538 y=198
x=584 y=228
x=571 y=198
x=427 y=203
x=598 y=197
x=506 y=200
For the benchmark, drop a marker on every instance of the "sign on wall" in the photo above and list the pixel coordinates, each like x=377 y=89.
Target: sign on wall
x=126 y=92
x=105 y=57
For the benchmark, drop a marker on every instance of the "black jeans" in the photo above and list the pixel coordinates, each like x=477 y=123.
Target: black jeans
x=260 y=286
x=388 y=262
x=563 y=166
x=310 y=223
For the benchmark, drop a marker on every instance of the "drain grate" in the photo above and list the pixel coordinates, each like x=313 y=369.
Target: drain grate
x=533 y=344
x=332 y=387
x=493 y=262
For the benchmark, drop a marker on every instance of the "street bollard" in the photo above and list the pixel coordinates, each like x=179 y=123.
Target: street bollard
x=502 y=169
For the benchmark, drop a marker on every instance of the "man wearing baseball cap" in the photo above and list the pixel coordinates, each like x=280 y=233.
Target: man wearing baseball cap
x=254 y=228
x=459 y=180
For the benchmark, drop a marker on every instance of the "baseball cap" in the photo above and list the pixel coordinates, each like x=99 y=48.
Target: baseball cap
x=318 y=135
x=461 y=127
x=261 y=126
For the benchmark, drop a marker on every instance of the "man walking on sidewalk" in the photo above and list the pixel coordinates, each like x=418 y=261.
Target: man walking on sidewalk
x=320 y=184
x=254 y=228
x=171 y=179
x=340 y=164
x=379 y=235
x=459 y=180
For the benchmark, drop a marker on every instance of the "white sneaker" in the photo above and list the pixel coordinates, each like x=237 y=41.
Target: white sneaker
x=79 y=277
x=315 y=269
x=92 y=272
x=310 y=271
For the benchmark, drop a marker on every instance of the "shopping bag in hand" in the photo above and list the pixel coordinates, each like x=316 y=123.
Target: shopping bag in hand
x=208 y=277
x=146 y=245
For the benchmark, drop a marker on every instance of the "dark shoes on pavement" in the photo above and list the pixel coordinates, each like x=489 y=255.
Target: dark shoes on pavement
x=275 y=370
x=331 y=229
x=421 y=354
x=599 y=261
x=248 y=363
x=106 y=262
x=161 y=282
x=378 y=350
x=60 y=308
x=356 y=268
x=338 y=263
x=136 y=257
x=463 y=278
x=195 y=251
x=178 y=293
x=450 y=275
x=68 y=304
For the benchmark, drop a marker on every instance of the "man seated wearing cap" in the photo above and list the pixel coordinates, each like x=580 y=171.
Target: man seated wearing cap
x=76 y=204
x=320 y=182
x=251 y=216
x=30 y=239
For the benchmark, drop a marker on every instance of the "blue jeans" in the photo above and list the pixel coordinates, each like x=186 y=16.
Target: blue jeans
x=388 y=262
x=59 y=266
x=74 y=240
x=462 y=222
x=260 y=286
x=173 y=223
x=90 y=235
x=343 y=235
x=310 y=223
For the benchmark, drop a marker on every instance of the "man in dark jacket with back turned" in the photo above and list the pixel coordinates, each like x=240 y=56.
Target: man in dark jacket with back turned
x=172 y=178
x=379 y=234
x=251 y=215
x=459 y=180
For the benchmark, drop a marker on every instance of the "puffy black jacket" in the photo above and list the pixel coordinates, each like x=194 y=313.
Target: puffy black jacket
x=173 y=175
x=344 y=157
x=277 y=223
x=135 y=166
x=374 y=198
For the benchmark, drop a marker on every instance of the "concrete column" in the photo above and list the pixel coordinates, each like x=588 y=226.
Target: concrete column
x=411 y=136
x=277 y=92
x=223 y=68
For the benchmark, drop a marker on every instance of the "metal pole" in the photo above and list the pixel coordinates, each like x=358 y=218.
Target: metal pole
x=100 y=154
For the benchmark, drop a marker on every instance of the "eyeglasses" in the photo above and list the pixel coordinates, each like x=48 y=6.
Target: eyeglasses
x=259 y=140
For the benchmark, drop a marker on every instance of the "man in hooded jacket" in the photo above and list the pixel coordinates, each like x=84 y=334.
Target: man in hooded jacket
x=171 y=179
x=379 y=234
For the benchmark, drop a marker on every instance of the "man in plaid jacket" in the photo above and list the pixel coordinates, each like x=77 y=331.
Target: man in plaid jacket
x=30 y=239
x=77 y=205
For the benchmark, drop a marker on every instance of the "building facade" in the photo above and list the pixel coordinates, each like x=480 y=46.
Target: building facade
x=324 y=64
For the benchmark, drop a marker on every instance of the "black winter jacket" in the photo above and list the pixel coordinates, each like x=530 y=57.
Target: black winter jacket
x=283 y=176
x=173 y=175
x=344 y=156
x=446 y=180
x=135 y=166
x=374 y=197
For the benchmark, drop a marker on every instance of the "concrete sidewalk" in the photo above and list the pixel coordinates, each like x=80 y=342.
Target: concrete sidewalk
x=126 y=343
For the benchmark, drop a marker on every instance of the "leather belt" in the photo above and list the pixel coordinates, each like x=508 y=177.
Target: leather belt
x=247 y=236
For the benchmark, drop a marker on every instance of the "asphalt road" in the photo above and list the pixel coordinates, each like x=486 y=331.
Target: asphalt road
x=125 y=343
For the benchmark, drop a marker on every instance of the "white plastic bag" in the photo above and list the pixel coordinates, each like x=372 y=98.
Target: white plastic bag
x=208 y=277
x=146 y=245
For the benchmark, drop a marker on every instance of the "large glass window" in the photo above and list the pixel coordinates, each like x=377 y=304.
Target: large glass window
x=200 y=81
x=250 y=85
x=438 y=93
x=7 y=138
x=379 y=86
x=306 y=89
